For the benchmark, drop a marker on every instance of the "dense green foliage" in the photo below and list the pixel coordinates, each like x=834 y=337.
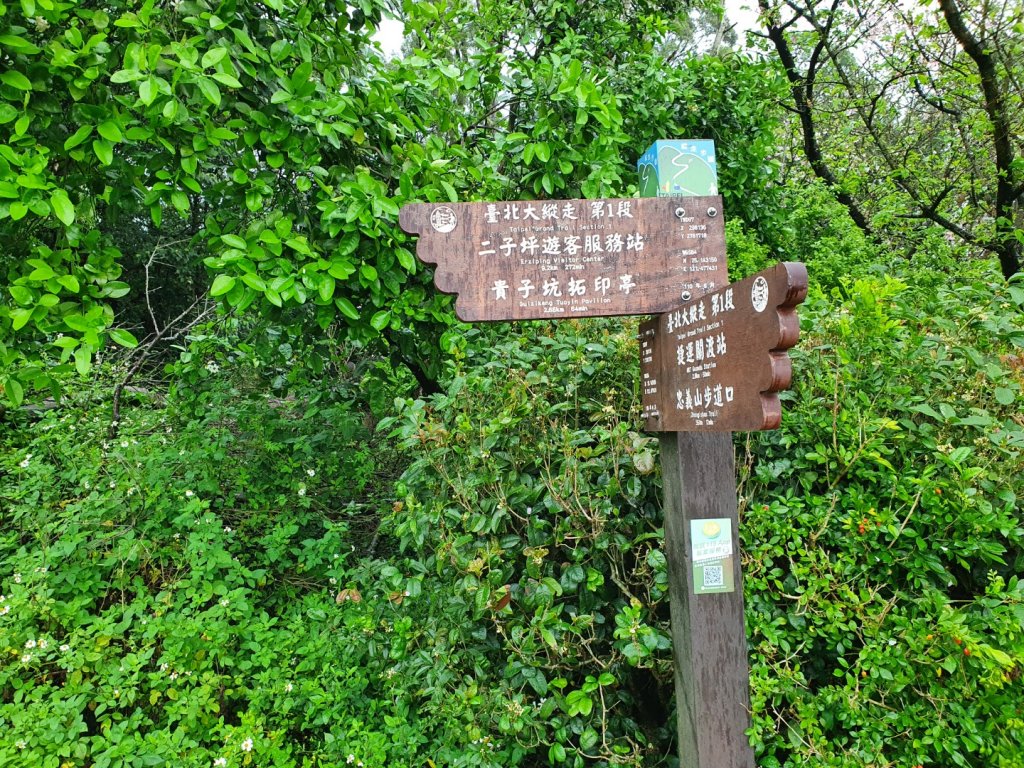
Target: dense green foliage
x=297 y=514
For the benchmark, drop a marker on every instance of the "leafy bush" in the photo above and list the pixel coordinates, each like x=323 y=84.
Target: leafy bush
x=245 y=578
x=883 y=534
x=530 y=507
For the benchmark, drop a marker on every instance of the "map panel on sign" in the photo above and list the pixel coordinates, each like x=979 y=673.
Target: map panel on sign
x=523 y=260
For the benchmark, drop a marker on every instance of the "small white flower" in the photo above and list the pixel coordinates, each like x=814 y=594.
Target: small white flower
x=189 y=494
x=65 y=648
x=311 y=472
x=17 y=578
x=2 y=598
x=20 y=744
x=288 y=687
x=26 y=658
x=333 y=580
x=247 y=745
x=113 y=484
x=30 y=644
x=124 y=443
x=173 y=676
x=224 y=602
x=302 y=490
x=220 y=762
x=42 y=644
x=227 y=529
x=87 y=485
x=351 y=759
x=5 y=610
x=24 y=464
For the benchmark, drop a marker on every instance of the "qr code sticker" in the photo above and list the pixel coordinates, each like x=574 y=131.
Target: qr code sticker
x=714 y=576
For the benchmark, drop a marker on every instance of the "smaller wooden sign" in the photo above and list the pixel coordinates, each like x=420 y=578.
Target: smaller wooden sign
x=556 y=259
x=715 y=364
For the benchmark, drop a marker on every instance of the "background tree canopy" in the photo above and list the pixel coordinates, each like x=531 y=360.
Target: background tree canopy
x=264 y=500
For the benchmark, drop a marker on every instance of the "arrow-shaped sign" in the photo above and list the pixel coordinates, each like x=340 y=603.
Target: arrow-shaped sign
x=556 y=259
x=715 y=364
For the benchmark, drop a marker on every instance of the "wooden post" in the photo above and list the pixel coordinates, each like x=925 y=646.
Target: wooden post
x=709 y=641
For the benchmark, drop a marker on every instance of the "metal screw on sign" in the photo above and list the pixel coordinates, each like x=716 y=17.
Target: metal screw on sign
x=712 y=212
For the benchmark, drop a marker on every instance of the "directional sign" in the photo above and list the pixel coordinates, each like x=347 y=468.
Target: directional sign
x=715 y=364
x=558 y=259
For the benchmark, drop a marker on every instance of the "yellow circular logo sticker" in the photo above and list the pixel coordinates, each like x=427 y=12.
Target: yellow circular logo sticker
x=711 y=529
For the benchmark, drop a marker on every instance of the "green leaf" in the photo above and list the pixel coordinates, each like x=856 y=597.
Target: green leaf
x=405 y=259
x=110 y=131
x=221 y=285
x=326 y=288
x=70 y=282
x=15 y=392
x=104 y=151
x=123 y=337
x=209 y=90
x=234 y=241
x=148 y=91
x=225 y=79
x=254 y=281
x=347 y=308
x=1005 y=395
x=63 y=207
x=78 y=137
x=41 y=270
x=7 y=113
x=115 y=289
x=18 y=210
x=17 y=80
x=213 y=56
x=126 y=76
x=20 y=317
x=18 y=44
x=22 y=295
x=83 y=360
x=380 y=320
x=180 y=201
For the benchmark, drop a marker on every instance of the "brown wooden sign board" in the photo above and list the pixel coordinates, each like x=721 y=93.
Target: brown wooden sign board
x=716 y=364
x=557 y=259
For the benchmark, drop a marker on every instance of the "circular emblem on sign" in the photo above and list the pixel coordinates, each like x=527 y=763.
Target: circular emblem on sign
x=711 y=529
x=759 y=294
x=443 y=219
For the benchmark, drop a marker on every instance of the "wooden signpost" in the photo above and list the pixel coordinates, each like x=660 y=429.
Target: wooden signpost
x=710 y=367
x=712 y=361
